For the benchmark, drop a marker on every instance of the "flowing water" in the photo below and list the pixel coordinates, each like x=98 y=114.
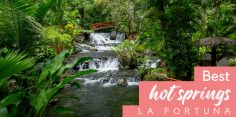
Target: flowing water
x=100 y=94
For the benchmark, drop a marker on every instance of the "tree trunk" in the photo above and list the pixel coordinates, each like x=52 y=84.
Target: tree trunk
x=213 y=56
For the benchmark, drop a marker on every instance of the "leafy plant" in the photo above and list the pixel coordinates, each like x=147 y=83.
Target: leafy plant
x=11 y=64
x=152 y=74
x=14 y=62
x=128 y=54
x=57 y=39
x=34 y=97
x=21 y=23
x=232 y=62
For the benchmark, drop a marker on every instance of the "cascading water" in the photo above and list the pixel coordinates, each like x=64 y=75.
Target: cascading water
x=102 y=91
x=101 y=64
x=103 y=41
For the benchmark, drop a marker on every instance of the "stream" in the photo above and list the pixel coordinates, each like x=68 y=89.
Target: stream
x=101 y=94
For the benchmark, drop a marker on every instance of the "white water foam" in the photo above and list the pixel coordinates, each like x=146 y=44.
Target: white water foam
x=112 y=82
x=102 y=41
x=101 y=65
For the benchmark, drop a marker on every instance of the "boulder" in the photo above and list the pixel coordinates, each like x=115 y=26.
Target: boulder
x=122 y=82
x=113 y=35
x=79 y=38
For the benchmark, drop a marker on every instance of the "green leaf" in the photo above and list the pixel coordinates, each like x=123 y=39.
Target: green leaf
x=74 y=63
x=76 y=84
x=81 y=73
x=3 y=111
x=13 y=63
x=54 y=65
x=69 y=79
x=43 y=8
x=63 y=110
x=13 y=99
x=78 y=74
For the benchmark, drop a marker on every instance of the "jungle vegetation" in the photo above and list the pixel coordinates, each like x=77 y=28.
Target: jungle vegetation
x=36 y=36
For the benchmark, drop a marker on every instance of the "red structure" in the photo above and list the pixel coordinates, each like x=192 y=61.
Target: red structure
x=102 y=25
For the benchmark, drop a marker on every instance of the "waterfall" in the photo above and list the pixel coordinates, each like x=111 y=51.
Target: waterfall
x=101 y=64
x=100 y=48
x=103 y=41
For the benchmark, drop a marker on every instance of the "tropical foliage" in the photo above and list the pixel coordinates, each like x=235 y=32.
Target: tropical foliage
x=232 y=62
x=35 y=88
x=35 y=36
x=170 y=29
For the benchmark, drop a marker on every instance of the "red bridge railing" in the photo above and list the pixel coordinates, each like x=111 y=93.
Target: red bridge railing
x=102 y=25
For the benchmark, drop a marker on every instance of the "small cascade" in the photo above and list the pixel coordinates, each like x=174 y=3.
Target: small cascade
x=110 y=81
x=101 y=64
x=105 y=60
x=104 y=41
x=108 y=84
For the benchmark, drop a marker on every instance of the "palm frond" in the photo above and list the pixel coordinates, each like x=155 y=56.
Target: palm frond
x=13 y=63
x=42 y=9
x=19 y=5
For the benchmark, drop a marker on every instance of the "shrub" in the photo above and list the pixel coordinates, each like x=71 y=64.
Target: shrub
x=157 y=74
x=232 y=62
x=57 y=39
x=128 y=54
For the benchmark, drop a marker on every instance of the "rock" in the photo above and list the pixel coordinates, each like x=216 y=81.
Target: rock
x=12 y=85
x=113 y=35
x=122 y=82
x=81 y=47
x=54 y=102
x=106 y=80
x=225 y=61
x=108 y=75
x=113 y=81
x=79 y=38
x=86 y=35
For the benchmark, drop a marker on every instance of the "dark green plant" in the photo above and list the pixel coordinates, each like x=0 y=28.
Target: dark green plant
x=37 y=88
x=178 y=50
x=152 y=74
x=232 y=62
x=21 y=23
x=11 y=64
x=128 y=54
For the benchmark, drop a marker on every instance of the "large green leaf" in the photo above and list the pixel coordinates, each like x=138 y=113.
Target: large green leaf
x=14 y=63
x=78 y=74
x=39 y=101
x=22 y=6
x=42 y=9
x=74 y=63
x=54 y=65
x=69 y=79
x=13 y=99
x=3 y=111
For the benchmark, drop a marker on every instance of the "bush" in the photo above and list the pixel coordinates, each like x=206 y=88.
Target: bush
x=128 y=54
x=157 y=74
x=232 y=62
x=55 y=40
